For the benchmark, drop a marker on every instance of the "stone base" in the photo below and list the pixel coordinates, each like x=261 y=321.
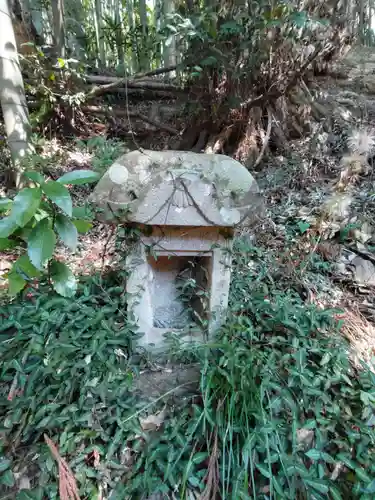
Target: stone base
x=169 y=263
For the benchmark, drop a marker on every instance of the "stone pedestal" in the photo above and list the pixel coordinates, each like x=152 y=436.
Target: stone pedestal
x=186 y=206
x=153 y=281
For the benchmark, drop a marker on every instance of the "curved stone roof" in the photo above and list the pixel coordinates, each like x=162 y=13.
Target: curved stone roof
x=178 y=188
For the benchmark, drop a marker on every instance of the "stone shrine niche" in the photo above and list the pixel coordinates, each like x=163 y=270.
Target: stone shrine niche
x=186 y=206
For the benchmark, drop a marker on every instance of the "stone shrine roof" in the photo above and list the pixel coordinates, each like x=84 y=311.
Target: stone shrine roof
x=178 y=188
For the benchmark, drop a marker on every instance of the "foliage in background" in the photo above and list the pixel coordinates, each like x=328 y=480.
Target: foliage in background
x=280 y=412
x=33 y=222
x=104 y=150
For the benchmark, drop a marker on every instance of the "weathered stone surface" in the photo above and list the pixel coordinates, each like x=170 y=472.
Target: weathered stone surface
x=179 y=188
x=187 y=199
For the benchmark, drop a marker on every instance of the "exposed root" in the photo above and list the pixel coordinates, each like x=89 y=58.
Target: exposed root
x=266 y=139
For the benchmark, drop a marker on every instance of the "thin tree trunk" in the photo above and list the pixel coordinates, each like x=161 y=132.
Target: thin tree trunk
x=119 y=39
x=99 y=29
x=157 y=17
x=133 y=48
x=58 y=27
x=362 y=20
x=12 y=94
x=169 y=49
x=145 y=62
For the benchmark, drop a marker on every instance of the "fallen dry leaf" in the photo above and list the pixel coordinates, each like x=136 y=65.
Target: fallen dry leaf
x=153 y=422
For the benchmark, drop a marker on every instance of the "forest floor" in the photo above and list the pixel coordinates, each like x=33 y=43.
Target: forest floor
x=317 y=237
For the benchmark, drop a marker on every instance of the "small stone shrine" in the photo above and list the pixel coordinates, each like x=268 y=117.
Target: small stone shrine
x=186 y=206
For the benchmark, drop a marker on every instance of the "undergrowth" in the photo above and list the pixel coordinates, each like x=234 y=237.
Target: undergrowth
x=280 y=412
x=105 y=151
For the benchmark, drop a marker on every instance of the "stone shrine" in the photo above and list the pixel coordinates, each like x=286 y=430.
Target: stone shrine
x=186 y=206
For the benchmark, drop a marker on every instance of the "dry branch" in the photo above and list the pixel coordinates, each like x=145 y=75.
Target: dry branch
x=131 y=83
x=67 y=484
x=123 y=113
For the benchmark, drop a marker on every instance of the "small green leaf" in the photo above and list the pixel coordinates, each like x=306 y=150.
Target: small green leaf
x=317 y=485
x=5 y=204
x=303 y=226
x=41 y=243
x=4 y=464
x=7 y=226
x=25 y=268
x=63 y=279
x=264 y=471
x=361 y=474
x=199 y=457
x=15 y=281
x=79 y=177
x=313 y=454
x=335 y=493
x=67 y=231
x=59 y=195
x=82 y=225
x=25 y=204
x=7 y=479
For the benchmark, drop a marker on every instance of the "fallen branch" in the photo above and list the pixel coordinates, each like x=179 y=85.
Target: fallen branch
x=122 y=113
x=150 y=93
x=118 y=82
x=67 y=484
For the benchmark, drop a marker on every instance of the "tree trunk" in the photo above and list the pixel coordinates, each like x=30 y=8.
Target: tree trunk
x=12 y=94
x=99 y=32
x=169 y=47
x=361 y=21
x=144 y=56
x=130 y=10
x=58 y=27
x=119 y=39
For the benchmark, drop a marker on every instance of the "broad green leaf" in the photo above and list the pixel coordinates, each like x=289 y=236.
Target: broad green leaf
x=7 y=226
x=314 y=454
x=5 y=204
x=25 y=204
x=25 y=268
x=67 y=231
x=15 y=281
x=6 y=244
x=35 y=177
x=41 y=243
x=79 y=177
x=7 y=479
x=63 y=279
x=4 y=464
x=59 y=195
x=82 y=225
